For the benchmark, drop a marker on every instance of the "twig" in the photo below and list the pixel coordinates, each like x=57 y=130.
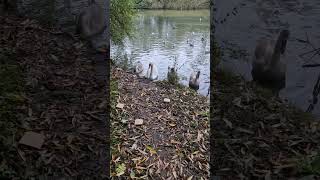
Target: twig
x=181 y=66
x=308 y=52
x=316 y=50
x=315 y=93
x=310 y=65
x=301 y=40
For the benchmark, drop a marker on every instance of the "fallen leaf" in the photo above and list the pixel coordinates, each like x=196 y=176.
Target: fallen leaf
x=151 y=150
x=228 y=123
x=120 y=170
x=120 y=106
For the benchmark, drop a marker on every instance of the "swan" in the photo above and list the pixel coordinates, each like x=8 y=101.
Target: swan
x=172 y=75
x=268 y=67
x=152 y=72
x=194 y=81
x=91 y=21
x=139 y=69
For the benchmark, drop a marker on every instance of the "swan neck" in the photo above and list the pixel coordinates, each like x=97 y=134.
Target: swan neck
x=278 y=49
x=198 y=74
x=151 y=71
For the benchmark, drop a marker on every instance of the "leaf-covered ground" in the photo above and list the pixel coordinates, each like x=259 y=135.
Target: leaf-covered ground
x=256 y=136
x=59 y=98
x=172 y=142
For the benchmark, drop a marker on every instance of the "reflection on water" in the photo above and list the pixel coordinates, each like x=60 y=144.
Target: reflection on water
x=166 y=36
x=265 y=19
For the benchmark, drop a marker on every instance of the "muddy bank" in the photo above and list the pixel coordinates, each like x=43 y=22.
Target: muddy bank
x=255 y=135
x=173 y=137
x=60 y=99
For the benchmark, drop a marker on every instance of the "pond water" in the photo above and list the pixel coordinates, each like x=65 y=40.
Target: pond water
x=164 y=36
x=254 y=19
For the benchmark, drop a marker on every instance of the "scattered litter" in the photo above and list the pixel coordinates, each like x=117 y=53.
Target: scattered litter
x=138 y=122
x=32 y=139
x=120 y=106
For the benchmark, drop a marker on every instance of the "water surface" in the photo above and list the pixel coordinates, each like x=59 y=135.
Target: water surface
x=265 y=18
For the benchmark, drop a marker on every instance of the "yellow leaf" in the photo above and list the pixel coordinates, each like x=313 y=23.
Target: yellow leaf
x=172 y=125
x=152 y=151
x=120 y=169
x=132 y=175
x=174 y=142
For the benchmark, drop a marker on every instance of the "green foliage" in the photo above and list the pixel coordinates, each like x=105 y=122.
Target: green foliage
x=121 y=19
x=172 y=4
x=310 y=165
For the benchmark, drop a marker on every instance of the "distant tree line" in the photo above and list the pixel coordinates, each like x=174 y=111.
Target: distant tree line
x=172 y=4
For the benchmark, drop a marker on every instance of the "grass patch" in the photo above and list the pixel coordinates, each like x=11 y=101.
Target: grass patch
x=310 y=165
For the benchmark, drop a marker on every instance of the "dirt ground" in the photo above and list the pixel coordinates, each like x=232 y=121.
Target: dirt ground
x=62 y=100
x=173 y=140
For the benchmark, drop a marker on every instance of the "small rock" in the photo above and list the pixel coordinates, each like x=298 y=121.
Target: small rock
x=138 y=122
x=166 y=100
x=32 y=139
x=120 y=106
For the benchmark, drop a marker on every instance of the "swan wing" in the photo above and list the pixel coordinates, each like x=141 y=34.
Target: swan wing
x=148 y=73
x=192 y=77
x=263 y=53
x=93 y=20
x=155 y=72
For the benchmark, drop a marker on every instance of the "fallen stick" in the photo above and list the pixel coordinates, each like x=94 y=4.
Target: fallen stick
x=310 y=65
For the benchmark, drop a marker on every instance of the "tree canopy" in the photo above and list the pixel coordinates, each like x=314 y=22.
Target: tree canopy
x=121 y=19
